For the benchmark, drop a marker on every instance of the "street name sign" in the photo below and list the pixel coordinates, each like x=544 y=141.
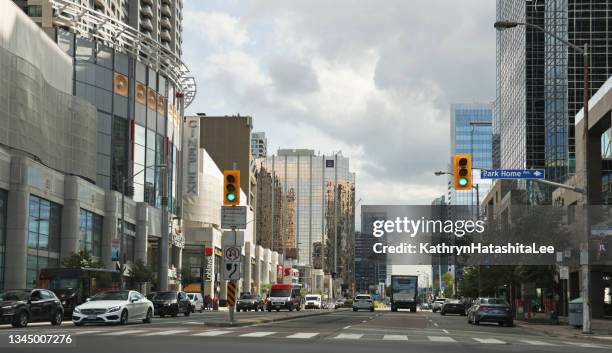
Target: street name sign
x=233 y=217
x=232 y=257
x=512 y=174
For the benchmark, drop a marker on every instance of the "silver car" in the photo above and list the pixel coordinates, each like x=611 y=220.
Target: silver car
x=363 y=302
x=437 y=304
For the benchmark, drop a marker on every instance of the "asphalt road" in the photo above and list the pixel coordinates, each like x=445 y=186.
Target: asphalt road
x=338 y=331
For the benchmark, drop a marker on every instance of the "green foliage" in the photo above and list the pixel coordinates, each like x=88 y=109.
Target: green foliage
x=140 y=273
x=265 y=289
x=449 y=284
x=81 y=259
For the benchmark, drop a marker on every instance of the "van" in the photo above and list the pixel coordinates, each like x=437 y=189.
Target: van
x=285 y=296
x=197 y=302
x=313 y=301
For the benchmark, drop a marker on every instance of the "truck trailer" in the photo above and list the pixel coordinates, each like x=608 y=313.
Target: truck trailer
x=404 y=292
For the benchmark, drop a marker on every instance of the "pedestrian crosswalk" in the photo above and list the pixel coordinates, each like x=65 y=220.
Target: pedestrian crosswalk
x=237 y=333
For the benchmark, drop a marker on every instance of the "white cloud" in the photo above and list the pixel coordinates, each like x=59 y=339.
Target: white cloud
x=373 y=79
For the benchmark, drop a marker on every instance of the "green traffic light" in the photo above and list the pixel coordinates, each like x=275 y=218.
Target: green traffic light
x=463 y=181
x=230 y=196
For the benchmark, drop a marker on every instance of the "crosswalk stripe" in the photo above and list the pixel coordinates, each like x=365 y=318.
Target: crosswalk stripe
x=258 y=334
x=538 y=343
x=395 y=338
x=489 y=340
x=584 y=345
x=348 y=336
x=120 y=333
x=303 y=335
x=441 y=339
x=212 y=333
x=87 y=332
x=164 y=333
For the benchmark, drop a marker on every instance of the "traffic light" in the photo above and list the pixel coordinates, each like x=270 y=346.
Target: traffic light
x=462 y=171
x=231 y=187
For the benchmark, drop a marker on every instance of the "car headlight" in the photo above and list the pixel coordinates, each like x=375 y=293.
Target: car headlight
x=9 y=307
x=113 y=309
x=77 y=310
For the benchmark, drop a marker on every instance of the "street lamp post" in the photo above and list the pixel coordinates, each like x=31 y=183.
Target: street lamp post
x=586 y=308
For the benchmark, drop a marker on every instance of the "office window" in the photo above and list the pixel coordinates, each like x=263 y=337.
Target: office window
x=35 y=10
x=90 y=232
x=3 y=213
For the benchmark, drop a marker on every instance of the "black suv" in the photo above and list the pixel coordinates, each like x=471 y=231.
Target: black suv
x=170 y=303
x=249 y=302
x=20 y=306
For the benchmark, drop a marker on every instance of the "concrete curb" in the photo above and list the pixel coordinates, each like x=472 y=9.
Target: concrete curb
x=266 y=320
x=556 y=333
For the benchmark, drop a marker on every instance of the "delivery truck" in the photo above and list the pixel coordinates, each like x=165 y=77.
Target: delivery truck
x=404 y=292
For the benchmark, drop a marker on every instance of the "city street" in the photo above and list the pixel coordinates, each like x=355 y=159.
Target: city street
x=341 y=331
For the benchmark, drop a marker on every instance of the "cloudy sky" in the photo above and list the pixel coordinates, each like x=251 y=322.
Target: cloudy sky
x=373 y=79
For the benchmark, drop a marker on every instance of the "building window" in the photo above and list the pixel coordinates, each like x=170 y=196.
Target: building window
x=35 y=10
x=119 y=152
x=90 y=232
x=127 y=242
x=44 y=222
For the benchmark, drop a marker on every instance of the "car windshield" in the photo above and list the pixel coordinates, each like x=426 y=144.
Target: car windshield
x=363 y=297
x=454 y=301
x=248 y=296
x=14 y=295
x=115 y=295
x=280 y=293
x=191 y=296
x=492 y=301
x=64 y=283
x=165 y=295
x=312 y=298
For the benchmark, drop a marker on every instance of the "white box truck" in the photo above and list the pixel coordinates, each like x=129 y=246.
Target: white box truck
x=404 y=292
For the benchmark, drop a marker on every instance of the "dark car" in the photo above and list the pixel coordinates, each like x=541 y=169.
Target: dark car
x=21 y=306
x=491 y=310
x=248 y=302
x=453 y=307
x=170 y=303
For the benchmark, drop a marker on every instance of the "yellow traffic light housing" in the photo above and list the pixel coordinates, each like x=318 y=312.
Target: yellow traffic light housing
x=462 y=171
x=231 y=187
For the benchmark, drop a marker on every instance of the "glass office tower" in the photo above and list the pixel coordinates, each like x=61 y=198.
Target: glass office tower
x=471 y=133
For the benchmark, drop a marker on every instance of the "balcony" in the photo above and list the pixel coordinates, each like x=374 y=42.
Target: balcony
x=165 y=23
x=165 y=10
x=166 y=2
x=146 y=11
x=146 y=2
x=146 y=24
x=165 y=36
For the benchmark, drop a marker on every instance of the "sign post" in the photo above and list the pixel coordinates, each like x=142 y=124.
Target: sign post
x=232 y=257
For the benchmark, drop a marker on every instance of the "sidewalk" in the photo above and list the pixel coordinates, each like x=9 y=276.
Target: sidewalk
x=602 y=329
x=222 y=321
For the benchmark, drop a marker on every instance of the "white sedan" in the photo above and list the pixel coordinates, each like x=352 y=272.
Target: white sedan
x=114 y=307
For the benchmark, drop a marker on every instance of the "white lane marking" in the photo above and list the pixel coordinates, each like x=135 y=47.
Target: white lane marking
x=303 y=335
x=364 y=321
x=488 y=340
x=585 y=345
x=538 y=343
x=88 y=332
x=444 y=331
x=441 y=339
x=258 y=334
x=164 y=333
x=347 y=327
x=436 y=325
x=395 y=338
x=348 y=336
x=121 y=333
x=212 y=333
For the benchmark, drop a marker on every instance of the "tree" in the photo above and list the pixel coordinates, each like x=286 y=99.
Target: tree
x=81 y=259
x=140 y=273
x=448 y=280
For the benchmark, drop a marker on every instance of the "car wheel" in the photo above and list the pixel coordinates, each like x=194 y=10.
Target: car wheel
x=188 y=312
x=78 y=324
x=277 y=310
x=57 y=318
x=124 y=318
x=501 y=323
x=299 y=307
x=147 y=319
x=161 y=315
x=175 y=312
x=476 y=322
x=21 y=319
x=354 y=309
x=372 y=309
x=442 y=313
x=291 y=308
